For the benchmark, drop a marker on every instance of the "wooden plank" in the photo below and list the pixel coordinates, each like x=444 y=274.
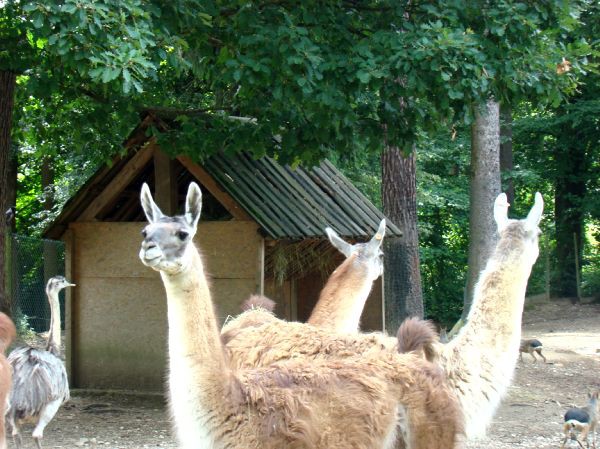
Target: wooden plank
x=165 y=182
x=355 y=208
x=213 y=187
x=367 y=204
x=249 y=199
x=260 y=274
x=133 y=167
x=336 y=217
x=308 y=208
x=285 y=207
x=70 y=295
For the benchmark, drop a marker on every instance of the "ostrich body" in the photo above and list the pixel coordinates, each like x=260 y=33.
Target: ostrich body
x=39 y=385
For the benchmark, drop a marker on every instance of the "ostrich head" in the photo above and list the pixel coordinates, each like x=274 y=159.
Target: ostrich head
x=368 y=254
x=56 y=284
x=166 y=239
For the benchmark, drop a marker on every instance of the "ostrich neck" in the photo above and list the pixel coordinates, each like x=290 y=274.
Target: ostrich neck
x=343 y=298
x=194 y=341
x=54 y=343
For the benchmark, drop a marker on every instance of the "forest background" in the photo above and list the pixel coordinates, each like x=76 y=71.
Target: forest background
x=412 y=100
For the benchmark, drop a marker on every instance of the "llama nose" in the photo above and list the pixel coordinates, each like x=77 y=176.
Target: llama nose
x=148 y=245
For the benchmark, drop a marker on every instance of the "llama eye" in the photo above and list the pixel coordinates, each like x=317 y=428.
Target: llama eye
x=144 y=233
x=182 y=235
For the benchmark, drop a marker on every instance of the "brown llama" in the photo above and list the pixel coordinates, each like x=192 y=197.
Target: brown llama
x=477 y=373
x=371 y=401
x=352 y=279
x=343 y=297
x=7 y=335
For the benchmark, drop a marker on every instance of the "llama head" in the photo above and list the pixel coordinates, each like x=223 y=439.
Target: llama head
x=166 y=239
x=368 y=254
x=56 y=284
x=530 y=230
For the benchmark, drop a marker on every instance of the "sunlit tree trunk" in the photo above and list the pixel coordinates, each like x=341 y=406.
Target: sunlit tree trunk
x=7 y=185
x=506 y=152
x=402 y=278
x=484 y=188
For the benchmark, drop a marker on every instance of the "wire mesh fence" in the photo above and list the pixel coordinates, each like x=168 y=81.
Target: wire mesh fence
x=31 y=263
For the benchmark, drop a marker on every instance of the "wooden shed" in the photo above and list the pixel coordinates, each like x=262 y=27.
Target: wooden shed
x=261 y=230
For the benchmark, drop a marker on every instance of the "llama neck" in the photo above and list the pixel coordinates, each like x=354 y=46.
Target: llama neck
x=193 y=331
x=54 y=343
x=197 y=370
x=494 y=322
x=343 y=298
x=480 y=361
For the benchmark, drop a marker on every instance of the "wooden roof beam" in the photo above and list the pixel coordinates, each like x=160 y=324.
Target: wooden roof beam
x=211 y=185
x=122 y=179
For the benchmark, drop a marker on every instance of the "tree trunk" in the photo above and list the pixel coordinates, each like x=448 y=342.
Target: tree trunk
x=485 y=187
x=506 y=152
x=402 y=278
x=7 y=186
x=568 y=212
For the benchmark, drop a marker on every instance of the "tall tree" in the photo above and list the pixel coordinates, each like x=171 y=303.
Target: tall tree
x=402 y=283
x=484 y=188
x=7 y=195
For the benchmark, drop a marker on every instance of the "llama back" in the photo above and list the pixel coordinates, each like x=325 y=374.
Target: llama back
x=8 y=332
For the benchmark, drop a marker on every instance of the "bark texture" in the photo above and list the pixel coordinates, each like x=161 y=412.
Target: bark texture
x=402 y=278
x=506 y=152
x=569 y=217
x=485 y=187
x=7 y=186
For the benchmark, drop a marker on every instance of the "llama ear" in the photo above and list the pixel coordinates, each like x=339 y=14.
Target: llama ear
x=535 y=214
x=343 y=247
x=153 y=213
x=501 y=211
x=377 y=239
x=193 y=204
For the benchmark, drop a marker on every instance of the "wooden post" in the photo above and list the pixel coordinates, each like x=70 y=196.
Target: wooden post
x=70 y=309
x=577 y=275
x=165 y=182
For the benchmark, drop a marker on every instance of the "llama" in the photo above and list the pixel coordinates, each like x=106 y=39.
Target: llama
x=478 y=372
x=352 y=279
x=342 y=299
x=361 y=402
x=7 y=335
x=481 y=359
x=582 y=419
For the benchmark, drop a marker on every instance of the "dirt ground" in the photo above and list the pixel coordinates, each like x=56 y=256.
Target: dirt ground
x=529 y=417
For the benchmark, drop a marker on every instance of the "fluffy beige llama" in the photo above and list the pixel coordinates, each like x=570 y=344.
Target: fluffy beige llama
x=478 y=372
x=353 y=280
x=343 y=297
x=361 y=402
x=481 y=359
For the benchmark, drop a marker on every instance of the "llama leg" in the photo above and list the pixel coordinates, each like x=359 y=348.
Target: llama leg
x=46 y=416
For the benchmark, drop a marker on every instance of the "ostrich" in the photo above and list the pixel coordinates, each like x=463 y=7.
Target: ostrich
x=40 y=385
x=370 y=401
x=479 y=373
